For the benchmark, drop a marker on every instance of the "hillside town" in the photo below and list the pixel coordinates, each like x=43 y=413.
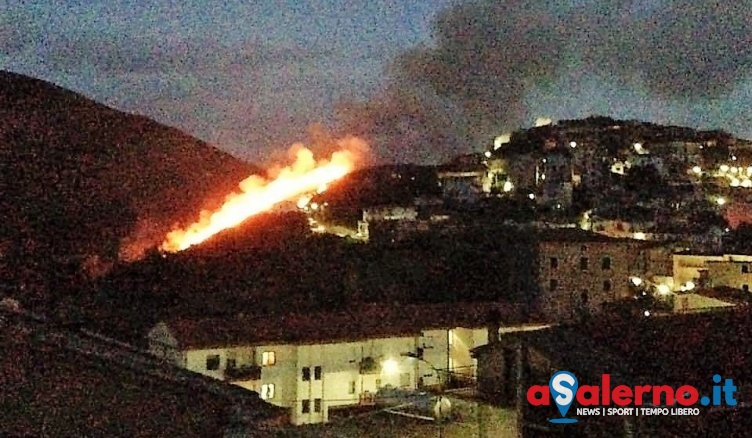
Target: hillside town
x=426 y=298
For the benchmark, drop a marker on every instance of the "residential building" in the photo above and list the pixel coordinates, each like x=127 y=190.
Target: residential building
x=714 y=270
x=579 y=271
x=59 y=381
x=312 y=364
x=463 y=179
x=673 y=351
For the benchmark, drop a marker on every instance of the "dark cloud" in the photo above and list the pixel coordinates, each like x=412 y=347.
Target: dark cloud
x=489 y=55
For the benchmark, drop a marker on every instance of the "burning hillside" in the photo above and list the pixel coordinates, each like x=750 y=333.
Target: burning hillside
x=257 y=194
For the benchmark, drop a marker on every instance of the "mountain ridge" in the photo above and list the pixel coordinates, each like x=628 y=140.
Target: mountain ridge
x=83 y=184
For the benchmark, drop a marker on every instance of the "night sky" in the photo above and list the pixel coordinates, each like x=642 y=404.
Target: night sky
x=421 y=79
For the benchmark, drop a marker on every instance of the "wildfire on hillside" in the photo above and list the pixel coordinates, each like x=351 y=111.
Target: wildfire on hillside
x=257 y=194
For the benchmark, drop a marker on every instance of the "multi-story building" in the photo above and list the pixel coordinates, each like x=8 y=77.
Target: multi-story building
x=578 y=271
x=713 y=270
x=312 y=364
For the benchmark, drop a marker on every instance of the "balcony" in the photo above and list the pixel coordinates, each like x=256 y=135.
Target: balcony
x=243 y=373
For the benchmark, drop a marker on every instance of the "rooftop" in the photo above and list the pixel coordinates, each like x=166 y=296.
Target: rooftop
x=576 y=235
x=79 y=384
x=368 y=322
x=673 y=350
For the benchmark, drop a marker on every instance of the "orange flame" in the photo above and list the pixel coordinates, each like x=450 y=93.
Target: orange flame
x=258 y=195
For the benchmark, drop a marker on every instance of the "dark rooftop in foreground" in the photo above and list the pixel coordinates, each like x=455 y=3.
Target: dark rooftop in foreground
x=673 y=350
x=79 y=384
x=368 y=321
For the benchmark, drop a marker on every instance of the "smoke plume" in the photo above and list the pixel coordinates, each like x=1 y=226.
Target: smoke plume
x=487 y=56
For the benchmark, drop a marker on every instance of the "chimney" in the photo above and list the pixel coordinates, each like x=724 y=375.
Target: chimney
x=494 y=324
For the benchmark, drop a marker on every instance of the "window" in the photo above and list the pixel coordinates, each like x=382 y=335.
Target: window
x=745 y=288
x=583 y=263
x=554 y=262
x=745 y=269
x=267 y=391
x=553 y=284
x=317 y=405
x=583 y=248
x=606 y=263
x=231 y=363
x=405 y=380
x=584 y=298
x=268 y=358
x=306 y=374
x=606 y=285
x=317 y=373
x=352 y=387
x=305 y=406
x=212 y=362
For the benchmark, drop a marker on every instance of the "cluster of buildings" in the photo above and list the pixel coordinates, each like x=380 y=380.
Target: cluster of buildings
x=316 y=365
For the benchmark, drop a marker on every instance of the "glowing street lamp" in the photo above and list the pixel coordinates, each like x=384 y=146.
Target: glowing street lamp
x=390 y=367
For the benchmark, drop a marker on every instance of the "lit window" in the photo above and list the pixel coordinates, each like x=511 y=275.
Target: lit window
x=606 y=263
x=212 y=362
x=267 y=391
x=268 y=358
x=317 y=405
x=305 y=406
x=317 y=373
x=306 y=374
x=450 y=337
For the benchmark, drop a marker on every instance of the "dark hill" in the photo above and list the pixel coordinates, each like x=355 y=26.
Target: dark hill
x=81 y=182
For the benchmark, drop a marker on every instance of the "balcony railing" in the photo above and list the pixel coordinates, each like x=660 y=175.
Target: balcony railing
x=244 y=372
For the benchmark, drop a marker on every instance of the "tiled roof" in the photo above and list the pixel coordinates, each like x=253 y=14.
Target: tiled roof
x=72 y=383
x=362 y=322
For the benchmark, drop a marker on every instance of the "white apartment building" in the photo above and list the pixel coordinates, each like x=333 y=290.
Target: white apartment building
x=320 y=362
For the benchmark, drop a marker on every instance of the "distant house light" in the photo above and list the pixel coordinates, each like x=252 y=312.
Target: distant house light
x=636 y=280
x=531 y=196
x=640 y=236
x=508 y=186
x=572 y=144
x=663 y=289
x=724 y=168
x=720 y=200
x=733 y=158
x=488 y=154
x=697 y=170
